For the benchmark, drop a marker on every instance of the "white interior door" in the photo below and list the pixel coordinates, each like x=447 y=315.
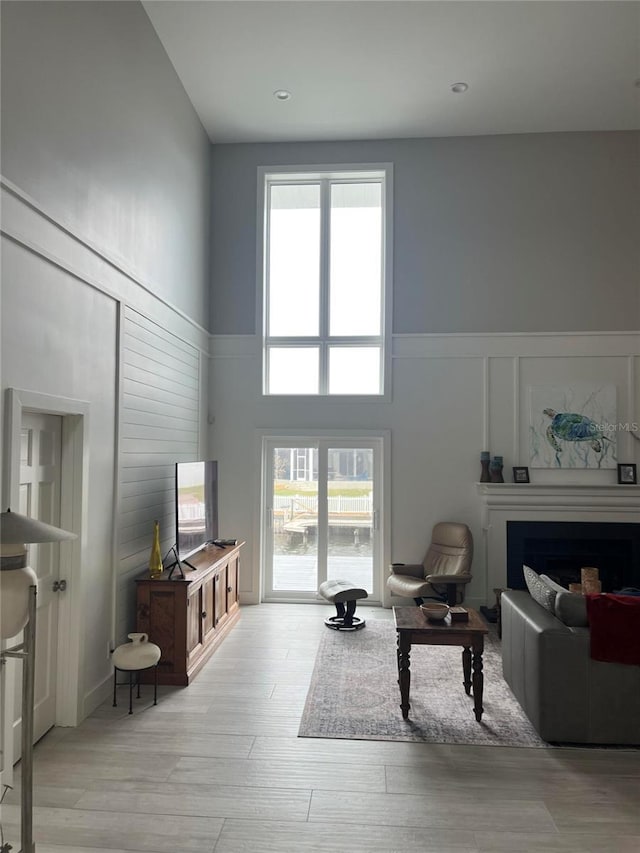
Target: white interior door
x=40 y=487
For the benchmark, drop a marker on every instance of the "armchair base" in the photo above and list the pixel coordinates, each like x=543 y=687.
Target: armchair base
x=345 y=596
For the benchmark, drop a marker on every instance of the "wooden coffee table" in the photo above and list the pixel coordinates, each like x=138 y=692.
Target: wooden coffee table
x=413 y=627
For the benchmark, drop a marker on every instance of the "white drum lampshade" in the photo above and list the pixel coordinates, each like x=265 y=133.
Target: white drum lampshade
x=16 y=532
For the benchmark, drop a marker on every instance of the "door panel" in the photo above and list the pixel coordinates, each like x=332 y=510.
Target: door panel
x=194 y=622
x=209 y=594
x=232 y=582
x=350 y=515
x=220 y=597
x=295 y=513
x=40 y=479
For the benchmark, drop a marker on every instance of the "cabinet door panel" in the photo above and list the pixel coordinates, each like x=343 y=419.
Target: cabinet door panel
x=220 y=596
x=160 y=614
x=162 y=618
x=208 y=607
x=232 y=582
x=194 y=622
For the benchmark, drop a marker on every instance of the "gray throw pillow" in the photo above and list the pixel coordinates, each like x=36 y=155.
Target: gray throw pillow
x=571 y=608
x=539 y=590
x=556 y=586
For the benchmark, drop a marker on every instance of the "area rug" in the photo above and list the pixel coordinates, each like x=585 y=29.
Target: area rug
x=354 y=694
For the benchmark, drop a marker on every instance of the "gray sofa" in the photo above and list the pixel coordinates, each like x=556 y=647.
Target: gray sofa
x=568 y=697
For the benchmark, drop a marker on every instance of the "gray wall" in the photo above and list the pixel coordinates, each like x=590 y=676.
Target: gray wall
x=99 y=133
x=97 y=128
x=536 y=232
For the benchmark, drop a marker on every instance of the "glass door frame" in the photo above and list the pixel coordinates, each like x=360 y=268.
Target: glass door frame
x=379 y=441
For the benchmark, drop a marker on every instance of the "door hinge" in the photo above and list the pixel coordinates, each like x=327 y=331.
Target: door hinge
x=59 y=586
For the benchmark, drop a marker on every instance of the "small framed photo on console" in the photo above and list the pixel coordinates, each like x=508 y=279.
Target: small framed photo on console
x=627 y=473
x=521 y=475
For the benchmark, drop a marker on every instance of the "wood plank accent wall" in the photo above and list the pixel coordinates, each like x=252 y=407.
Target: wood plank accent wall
x=159 y=426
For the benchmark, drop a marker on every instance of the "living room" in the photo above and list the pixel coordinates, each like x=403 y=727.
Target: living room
x=128 y=229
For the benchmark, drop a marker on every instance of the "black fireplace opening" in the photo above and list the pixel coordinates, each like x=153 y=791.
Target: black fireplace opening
x=560 y=549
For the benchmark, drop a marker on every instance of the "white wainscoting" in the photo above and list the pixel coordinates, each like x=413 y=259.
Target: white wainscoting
x=91 y=328
x=452 y=397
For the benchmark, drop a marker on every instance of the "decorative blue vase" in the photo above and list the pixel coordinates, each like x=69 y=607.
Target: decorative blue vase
x=495 y=470
x=485 y=458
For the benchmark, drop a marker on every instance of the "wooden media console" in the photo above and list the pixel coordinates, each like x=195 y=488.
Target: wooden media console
x=189 y=617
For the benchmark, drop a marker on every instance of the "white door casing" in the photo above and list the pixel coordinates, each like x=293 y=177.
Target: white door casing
x=40 y=491
x=325 y=442
x=74 y=416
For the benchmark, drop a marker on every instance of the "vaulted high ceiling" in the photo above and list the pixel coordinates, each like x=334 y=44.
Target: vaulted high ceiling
x=362 y=69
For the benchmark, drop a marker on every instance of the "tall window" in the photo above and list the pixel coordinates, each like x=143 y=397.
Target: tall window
x=324 y=282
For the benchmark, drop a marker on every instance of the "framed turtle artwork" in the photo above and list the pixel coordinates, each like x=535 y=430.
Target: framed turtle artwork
x=573 y=427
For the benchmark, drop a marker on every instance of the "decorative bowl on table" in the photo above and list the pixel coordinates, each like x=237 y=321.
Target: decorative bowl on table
x=435 y=610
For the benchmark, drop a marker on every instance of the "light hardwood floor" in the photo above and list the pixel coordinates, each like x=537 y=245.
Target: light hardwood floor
x=218 y=767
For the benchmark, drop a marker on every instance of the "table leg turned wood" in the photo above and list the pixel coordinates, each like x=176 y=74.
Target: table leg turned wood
x=414 y=629
x=466 y=668
x=478 y=679
x=404 y=675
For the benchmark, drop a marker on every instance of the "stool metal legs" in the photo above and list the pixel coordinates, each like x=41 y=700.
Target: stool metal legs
x=137 y=674
x=345 y=618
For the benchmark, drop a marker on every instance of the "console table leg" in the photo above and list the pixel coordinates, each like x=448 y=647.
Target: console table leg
x=478 y=683
x=404 y=675
x=466 y=669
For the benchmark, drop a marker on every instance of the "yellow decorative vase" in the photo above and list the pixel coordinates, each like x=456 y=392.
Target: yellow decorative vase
x=155 y=558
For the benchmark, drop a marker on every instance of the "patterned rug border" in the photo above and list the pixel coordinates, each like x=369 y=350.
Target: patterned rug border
x=354 y=694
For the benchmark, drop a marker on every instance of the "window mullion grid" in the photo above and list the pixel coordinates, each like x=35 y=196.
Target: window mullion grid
x=325 y=255
x=383 y=282
x=324 y=342
x=266 y=261
x=266 y=299
x=356 y=340
x=340 y=341
x=323 y=515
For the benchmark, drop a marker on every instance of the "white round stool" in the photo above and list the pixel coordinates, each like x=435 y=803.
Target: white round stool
x=132 y=657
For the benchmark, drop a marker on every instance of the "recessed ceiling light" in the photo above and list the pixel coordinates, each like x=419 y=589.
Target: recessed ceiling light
x=282 y=95
x=459 y=88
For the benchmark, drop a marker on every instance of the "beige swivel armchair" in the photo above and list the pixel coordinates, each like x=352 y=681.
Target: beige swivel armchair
x=445 y=570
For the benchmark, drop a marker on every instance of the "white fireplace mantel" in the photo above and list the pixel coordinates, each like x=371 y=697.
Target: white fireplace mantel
x=564 y=497
x=503 y=502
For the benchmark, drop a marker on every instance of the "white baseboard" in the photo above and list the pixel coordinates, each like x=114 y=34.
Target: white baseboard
x=94 y=698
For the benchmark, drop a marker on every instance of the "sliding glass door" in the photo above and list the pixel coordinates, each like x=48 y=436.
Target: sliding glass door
x=320 y=515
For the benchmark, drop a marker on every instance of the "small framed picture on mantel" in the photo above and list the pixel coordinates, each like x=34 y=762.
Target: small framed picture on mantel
x=520 y=475
x=627 y=473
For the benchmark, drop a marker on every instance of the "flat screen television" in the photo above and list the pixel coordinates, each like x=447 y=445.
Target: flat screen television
x=196 y=506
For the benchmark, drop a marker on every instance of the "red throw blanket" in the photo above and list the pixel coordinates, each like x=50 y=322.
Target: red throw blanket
x=614 y=622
